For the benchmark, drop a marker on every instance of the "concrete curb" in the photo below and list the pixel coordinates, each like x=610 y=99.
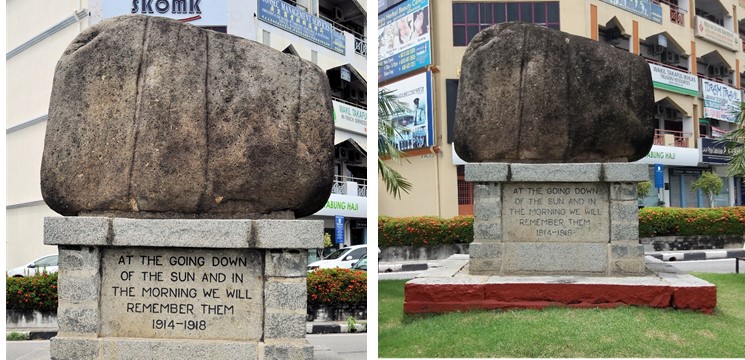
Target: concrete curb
x=42 y=334
x=397 y=267
x=697 y=254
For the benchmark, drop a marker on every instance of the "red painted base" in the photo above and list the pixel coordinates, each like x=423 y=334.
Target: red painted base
x=440 y=296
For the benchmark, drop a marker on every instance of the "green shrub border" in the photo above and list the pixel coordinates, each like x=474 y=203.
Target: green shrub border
x=653 y=221
x=337 y=287
x=38 y=292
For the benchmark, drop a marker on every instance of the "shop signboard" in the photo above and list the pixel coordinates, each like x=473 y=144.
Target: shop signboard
x=716 y=34
x=672 y=80
x=350 y=118
x=345 y=205
x=645 y=8
x=301 y=23
x=669 y=155
x=383 y=5
x=195 y=12
x=720 y=101
x=686 y=171
x=414 y=121
x=715 y=151
x=339 y=229
x=403 y=39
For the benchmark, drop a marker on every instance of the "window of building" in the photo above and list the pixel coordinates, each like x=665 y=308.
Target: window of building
x=266 y=38
x=470 y=18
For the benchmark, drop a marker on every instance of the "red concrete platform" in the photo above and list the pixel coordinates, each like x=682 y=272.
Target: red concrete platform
x=451 y=288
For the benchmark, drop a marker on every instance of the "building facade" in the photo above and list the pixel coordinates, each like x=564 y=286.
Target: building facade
x=329 y=33
x=695 y=52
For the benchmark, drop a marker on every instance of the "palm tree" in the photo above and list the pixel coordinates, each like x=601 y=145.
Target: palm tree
x=735 y=139
x=388 y=107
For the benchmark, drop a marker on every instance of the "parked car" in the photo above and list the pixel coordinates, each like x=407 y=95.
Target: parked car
x=361 y=264
x=343 y=258
x=47 y=263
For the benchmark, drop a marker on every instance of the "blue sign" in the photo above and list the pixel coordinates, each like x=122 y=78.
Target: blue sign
x=339 y=229
x=659 y=177
x=644 y=8
x=404 y=41
x=716 y=151
x=414 y=118
x=301 y=23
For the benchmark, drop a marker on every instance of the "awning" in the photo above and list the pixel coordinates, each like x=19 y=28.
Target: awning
x=675 y=101
x=671 y=43
x=359 y=142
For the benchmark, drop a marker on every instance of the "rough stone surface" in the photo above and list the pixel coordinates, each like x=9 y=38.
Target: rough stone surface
x=288 y=234
x=622 y=191
x=556 y=258
x=556 y=172
x=486 y=172
x=134 y=349
x=620 y=172
x=486 y=232
x=79 y=257
x=150 y=117
x=289 y=294
x=182 y=233
x=624 y=231
x=485 y=251
x=288 y=352
x=284 y=325
x=286 y=263
x=76 y=230
x=624 y=211
x=78 y=286
x=531 y=94
x=78 y=320
x=63 y=348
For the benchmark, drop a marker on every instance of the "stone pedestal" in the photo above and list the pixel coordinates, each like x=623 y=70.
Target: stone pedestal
x=556 y=219
x=201 y=289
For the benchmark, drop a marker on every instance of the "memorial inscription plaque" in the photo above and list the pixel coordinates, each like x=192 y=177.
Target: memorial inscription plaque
x=181 y=293
x=556 y=212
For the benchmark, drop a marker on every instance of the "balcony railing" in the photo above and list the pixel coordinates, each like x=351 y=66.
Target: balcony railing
x=340 y=185
x=677 y=15
x=671 y=138
x=360 y=46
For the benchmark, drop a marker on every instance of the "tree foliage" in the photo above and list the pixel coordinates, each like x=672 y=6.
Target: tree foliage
x=710 y=184
x=388 y=107
x=643 y=188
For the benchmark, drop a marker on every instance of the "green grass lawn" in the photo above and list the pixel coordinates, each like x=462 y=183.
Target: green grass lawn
x=564 y=332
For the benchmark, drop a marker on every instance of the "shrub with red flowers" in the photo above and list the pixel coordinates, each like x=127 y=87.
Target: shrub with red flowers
x=38 y=292
x=424 y=230
x=657 y=221
x=337 y=287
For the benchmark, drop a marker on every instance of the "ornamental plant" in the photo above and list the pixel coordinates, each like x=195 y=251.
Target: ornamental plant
x=424 y=230
x=710 y=184
x=656 y=221
x=337 y=287
x=38 y=292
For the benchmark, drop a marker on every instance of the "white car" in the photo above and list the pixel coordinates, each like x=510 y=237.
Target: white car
x=343 y=258
x=47 y=263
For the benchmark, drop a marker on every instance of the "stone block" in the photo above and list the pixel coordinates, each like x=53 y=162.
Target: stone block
x=157 y=128
x=486 y=172
x=486 y=211
x=555 y=258
x=623 y=191
x=487 y=232
x=485 y=266
x=288 y=234
x=78 y=286
x=288 y=352
x=624 y=231
x=203 y=233
x=78 y=348
x=284 y=325
x=286 y=263
x=635 y=267
x=625 y=172
x=511 y=109
x=586 y=172
x=485 y=250
x=624 y=211
x=627 y=250
x=136 y=349
x=78 y=320
x=76 y=230
x=79 y=257
x=288 y=294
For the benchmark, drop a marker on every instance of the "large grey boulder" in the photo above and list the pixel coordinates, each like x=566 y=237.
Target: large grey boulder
x=535 y=95
x=150 y=117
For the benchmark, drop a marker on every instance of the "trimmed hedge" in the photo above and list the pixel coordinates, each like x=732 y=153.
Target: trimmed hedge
x=661 y=221
x=38 y=292
x=655 y=221
x=337 y=287
x=426 y=230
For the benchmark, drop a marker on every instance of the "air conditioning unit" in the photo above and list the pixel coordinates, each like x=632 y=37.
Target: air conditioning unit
x=717 y=71
x=362 y=95
x=657 y=49
x=660 y=109
x=338 y=14
x=724 y=71
x=669 y=57
x=356 y=156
